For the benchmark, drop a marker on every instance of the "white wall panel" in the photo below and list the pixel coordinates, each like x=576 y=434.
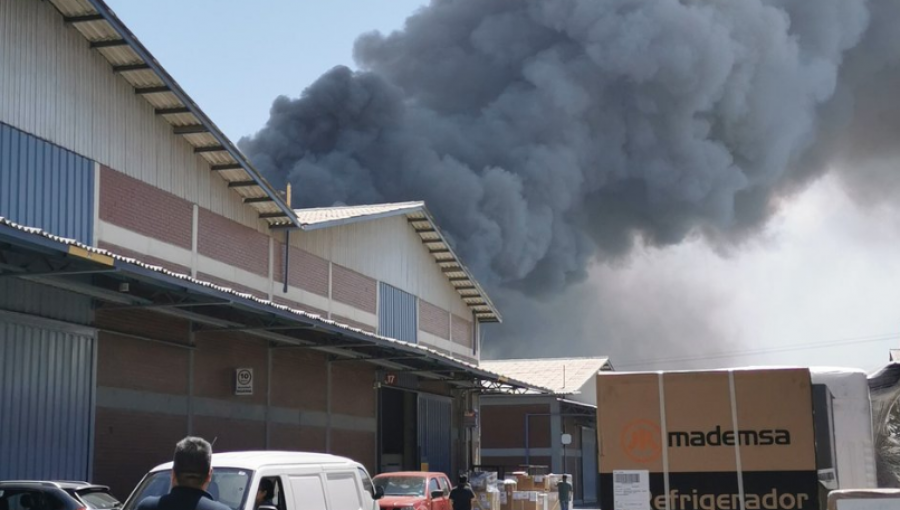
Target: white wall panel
x=387 y=250
x=55 y=87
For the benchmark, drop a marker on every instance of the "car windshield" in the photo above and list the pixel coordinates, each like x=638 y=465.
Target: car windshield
x=99 y=500
x=401 y=485
x=228 y=486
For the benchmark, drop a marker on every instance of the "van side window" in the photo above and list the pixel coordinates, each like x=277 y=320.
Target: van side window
x=433 y=486
x=445 y=486
x=367 y=482
x=308 y=492
x=343 y=491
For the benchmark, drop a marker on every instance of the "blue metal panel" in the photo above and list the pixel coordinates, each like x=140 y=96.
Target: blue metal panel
x=434 y=432
x=46 y=399
x=26 y=297
x=397 y=314
x=590 y=473
x=43 y=185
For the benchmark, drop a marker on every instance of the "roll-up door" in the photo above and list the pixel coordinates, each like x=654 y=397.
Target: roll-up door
x=434 y=432
x=47 y=381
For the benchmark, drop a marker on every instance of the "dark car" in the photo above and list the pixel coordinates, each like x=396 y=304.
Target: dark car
x=33 y=495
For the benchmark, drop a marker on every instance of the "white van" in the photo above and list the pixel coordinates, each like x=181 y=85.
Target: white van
x=302 y=481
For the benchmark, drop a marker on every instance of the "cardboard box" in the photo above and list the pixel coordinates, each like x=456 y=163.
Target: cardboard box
x=524 y=482
x=765 y=414
x=483 y=480
x=487 y=500
x=527 y=500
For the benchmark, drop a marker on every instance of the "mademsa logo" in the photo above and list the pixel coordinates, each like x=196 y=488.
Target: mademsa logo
x=641 y=441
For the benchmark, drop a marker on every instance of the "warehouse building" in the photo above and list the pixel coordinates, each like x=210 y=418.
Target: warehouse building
x=153 y=284
x=526 y=431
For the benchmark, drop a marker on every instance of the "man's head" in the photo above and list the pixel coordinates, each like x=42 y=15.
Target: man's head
x=192 y=463
x=463 y=480
x=266 y=488
x=565 y=477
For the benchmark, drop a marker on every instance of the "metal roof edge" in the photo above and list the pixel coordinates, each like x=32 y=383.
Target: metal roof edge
x=53 y=243
x=413 y=206
x=462 y=266
x=110 y=17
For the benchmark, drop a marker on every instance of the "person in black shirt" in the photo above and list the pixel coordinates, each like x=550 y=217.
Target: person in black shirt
x=461 y=497
x=191 y=474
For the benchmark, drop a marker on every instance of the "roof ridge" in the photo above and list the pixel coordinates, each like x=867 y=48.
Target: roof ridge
x=512 y=360
x=412 y=203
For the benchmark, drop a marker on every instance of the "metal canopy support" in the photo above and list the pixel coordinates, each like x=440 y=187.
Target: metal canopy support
x=109 y=44
x=83 y=19
x=173 y=111
x=131 y=67
x=189 y=129
x=208 y=148
x=257 y=200
x=229 y=166
x=151 y=90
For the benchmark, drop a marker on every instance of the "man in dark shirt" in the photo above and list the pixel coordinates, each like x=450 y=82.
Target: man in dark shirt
x=564 y=489
x=461 y=497
x=191 y=474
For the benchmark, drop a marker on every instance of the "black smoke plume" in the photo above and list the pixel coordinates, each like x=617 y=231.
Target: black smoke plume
x=548 y=134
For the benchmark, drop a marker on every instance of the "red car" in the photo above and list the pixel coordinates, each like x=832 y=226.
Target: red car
x=414 y=490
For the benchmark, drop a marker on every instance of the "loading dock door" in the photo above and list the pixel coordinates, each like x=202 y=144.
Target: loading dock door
x=589 y=464
x=46 y=399
x=435 y=420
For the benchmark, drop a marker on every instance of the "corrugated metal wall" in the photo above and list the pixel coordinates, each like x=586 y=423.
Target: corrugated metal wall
x=55 y=87
x=43 y=185
x=589 y=464
x=434 y=432
x=397 y=314
x=46 y=400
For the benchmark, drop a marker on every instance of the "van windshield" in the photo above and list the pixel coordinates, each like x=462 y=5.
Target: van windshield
x=228 y=486
x=401 y=485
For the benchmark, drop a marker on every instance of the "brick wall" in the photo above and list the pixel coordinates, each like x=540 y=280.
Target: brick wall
x=215 y=359
x=127 y=444
x=462 y=331
x=230 y=242
x=231 y=435
x=503 y=426
x=145 y=209
x=434 y=320
x=125 y=362
x=353 y=323
x=147 y=259
x=304 y=439
x=145 y=323
x=352 y=389
x=354 y=289
x=307 y=271
x=298 y=380
x=231 y=285
x=359 y=446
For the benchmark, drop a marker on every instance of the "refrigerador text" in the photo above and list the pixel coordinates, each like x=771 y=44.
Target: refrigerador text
x=716 y=437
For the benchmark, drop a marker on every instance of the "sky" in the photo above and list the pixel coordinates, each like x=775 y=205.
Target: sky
x=819 y=286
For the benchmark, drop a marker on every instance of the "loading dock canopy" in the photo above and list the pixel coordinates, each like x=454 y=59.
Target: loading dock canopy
x=117 y=282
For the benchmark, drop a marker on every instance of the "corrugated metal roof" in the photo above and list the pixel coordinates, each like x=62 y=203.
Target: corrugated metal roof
x=421 y=221
x=330 y=216
x=476 y=369
x=130 y=59
x=562 y=375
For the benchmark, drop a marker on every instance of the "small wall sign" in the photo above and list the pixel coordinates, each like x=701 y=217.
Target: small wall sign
x=243 y=381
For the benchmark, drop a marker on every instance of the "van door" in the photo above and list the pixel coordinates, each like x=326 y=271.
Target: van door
x=307 y=492
x=344 y=491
